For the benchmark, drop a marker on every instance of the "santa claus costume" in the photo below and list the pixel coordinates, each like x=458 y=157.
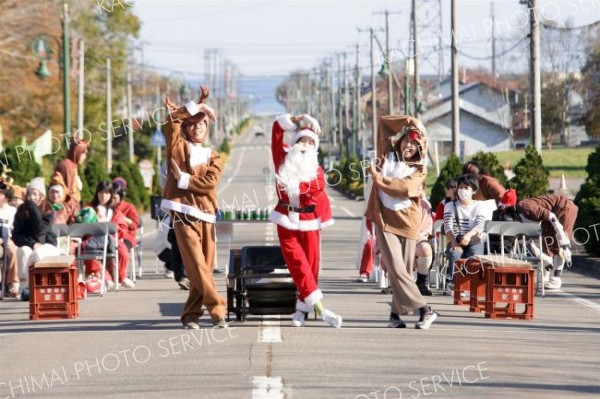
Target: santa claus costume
x=302 y=211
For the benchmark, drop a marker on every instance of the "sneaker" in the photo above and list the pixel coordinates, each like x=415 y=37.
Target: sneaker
x=553 y=284
x=395 y=321
x=217 y=270
x=14 y=289
x=191 y=325
x=298 y=319
x=449 y=289
x=424 y=290
x=221 y=323
x=184 y=283
x=110 y=285
x=127 y=283
x=334 y=320
x=426 y=320
x=169 y=273
x=363 y=278
x=386 y=291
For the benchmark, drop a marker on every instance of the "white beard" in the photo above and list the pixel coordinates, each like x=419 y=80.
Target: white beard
x=298 y=166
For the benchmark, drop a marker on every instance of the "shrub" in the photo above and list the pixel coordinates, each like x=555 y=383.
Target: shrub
x=453 y=168
x=531 y=177
x=588 y=201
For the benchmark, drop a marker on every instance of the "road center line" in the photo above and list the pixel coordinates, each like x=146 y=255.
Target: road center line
x=581 y=301
x=267 y=388
x=269 y=330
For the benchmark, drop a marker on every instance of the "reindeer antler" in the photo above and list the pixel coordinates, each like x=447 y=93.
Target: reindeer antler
x=203 y=94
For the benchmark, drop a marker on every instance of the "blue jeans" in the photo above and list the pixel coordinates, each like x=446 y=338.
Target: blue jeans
x=466 y=252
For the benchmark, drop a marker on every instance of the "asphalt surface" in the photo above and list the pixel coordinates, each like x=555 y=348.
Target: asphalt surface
x=130 y=343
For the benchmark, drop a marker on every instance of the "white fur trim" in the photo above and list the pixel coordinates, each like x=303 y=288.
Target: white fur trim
x=168 y=205
x=302 y=225
x=199 y=155
x=305 y=133
x=314 y=297
x=285 y=121
x=303 y=307
x=184 y=181
x=192 y=108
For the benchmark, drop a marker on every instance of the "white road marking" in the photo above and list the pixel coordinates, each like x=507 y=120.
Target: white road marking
x=235 y=172
x=269 y=330
x=581 y=301
x=343 y=208
x=267 y=388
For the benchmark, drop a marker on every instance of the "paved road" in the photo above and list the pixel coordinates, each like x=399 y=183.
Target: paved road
x=130 y=344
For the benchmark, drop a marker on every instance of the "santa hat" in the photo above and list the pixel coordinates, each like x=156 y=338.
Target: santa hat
x=37 y=183
x=57 y=183
x=306 y=132
x=509 y=198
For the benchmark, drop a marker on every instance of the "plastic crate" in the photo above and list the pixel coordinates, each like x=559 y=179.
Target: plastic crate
x=462 y=282
x=53 y=293
x=512 y=286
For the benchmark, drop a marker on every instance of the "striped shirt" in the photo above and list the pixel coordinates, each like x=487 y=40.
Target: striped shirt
x=470 y=217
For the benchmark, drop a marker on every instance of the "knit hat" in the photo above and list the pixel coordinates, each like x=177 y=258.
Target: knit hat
x=306 y=132
x=509 y=198
x=38 y=184
x=121 y=182
x=58 y=184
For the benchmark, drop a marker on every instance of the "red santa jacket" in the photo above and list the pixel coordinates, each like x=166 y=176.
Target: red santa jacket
x=310 y=209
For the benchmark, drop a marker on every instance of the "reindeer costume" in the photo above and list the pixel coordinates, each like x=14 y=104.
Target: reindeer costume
x=192 y=201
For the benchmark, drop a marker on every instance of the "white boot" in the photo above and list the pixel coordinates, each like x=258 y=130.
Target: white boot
x=553 y=284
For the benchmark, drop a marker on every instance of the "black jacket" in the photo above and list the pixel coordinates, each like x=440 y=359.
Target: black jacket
x=32 y=227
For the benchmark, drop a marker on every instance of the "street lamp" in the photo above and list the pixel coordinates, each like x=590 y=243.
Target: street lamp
x=41 y=49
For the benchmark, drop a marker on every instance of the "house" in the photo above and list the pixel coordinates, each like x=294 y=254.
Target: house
x=485 y=119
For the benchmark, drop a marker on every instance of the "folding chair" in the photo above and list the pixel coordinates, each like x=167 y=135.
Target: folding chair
x=136 y=253
x=98 y=230
x=62 y=237
x=492 y=228
x=521 y=233
x=4 y=232
x=439 y=251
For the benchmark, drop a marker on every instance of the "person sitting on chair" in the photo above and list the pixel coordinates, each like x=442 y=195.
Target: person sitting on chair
x=464 y=221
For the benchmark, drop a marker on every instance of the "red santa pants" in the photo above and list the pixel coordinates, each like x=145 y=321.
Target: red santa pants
x=301 y=251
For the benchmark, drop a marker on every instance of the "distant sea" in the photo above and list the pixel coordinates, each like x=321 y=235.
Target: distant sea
x=261 y=92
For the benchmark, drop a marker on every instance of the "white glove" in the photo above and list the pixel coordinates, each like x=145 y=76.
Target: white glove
x=562 y=238
x=312 y=123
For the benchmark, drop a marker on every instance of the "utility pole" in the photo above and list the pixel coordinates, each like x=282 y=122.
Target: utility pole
x=109 y=129
x=130 y=118
x=535 y=83
x=80 y=87
x=373 y=95
x=455 y=98
x=332 y=100
x=416 y=82
x=66 y=60
x=339 y=103
x=493 y=12
x=346 y=96
x=388 y=59
x=356 y=111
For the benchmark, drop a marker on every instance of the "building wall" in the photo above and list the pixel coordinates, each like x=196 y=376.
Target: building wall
x=477 y=134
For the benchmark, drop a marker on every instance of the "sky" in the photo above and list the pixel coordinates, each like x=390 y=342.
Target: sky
x=277 y=37
x=266 y=40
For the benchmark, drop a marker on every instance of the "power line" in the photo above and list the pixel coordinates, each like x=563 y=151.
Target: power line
x=570 y=28
x=497 y=55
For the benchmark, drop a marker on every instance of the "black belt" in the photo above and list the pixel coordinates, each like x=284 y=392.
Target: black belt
x=290 y=208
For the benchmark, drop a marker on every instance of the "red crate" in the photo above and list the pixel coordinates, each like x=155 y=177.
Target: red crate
x=53 y=293
x=462 y=281
x=512 y=286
